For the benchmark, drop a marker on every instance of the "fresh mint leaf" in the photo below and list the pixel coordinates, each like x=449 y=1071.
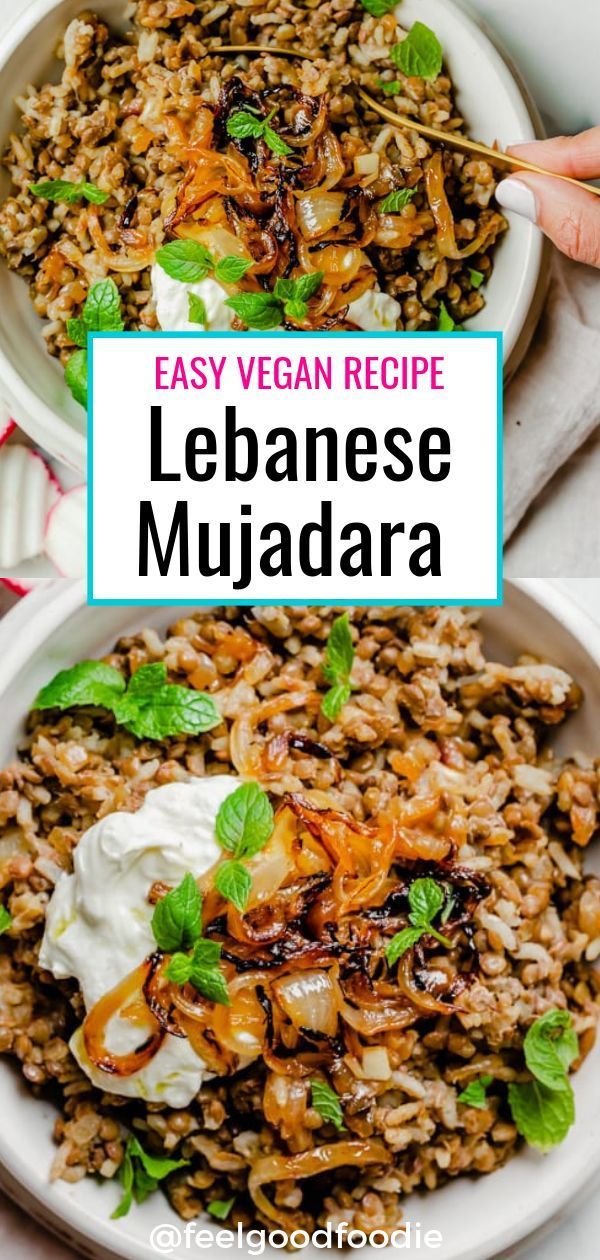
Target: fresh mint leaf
x=234 y=882
x=446 y=322
x=378 y=8
x=231 y=269
x=550 y=1047
x=181 y=966
x=275 y=142
x=325 y=1100
x=257 y=310
x=125 y=1176
x=150 y=707
x=153 y=708
x=5 y=919
x=396 y=200
x=391 y=87
x=244 y=124
x=245 y=820
x=476 y=277
x=475 y=1094
x=177 y=918
x=77 y=330
x=102 y=310
x=90 y=682
x=220 y=1208
x=185 y=260
x=334 y=700
x=339 y=652
x=76 y=376
x=156 y=1166
x=401 y=942
x=197 y=310
x=210 y=982
x=140 y=1174
x=426 y=898
x=420 y=55
x=543 y=1116
x=65 y=190
x=337 y=666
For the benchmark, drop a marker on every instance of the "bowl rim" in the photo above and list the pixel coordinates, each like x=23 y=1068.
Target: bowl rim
x=58 y=436
x=24 y=629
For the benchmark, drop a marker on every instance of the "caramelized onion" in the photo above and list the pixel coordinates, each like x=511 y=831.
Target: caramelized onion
x=309 y=1000
x=96 y=1022
x=323 y=1159
x=317 y=212
x=440 y=208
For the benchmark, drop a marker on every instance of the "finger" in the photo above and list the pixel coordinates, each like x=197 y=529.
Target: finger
x=568 y=215
x=578 y=156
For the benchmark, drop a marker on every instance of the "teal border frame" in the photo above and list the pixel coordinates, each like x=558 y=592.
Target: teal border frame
x=201 y=338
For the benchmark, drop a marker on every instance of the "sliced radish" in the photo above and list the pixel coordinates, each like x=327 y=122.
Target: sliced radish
x=17 y=588
x=24 y=488
x=64 y=542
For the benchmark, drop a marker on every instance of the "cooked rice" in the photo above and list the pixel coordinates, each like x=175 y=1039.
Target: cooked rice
x=114 y=117
x=429 y=714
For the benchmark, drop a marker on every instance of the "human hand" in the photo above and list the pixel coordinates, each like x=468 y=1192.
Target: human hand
x=568 y=215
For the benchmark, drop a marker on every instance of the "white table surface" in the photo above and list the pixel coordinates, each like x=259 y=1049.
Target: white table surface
x=578 y=1232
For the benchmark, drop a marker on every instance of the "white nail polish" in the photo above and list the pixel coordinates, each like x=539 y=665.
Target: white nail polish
x=512 y=194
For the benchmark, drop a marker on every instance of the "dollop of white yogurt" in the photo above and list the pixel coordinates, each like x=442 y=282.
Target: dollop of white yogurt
x=375 y=311
x=172 y=301
x=98 y=922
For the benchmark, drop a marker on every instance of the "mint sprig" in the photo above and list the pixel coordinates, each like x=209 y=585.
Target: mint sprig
x=140 y=1174
x=288 y=300
x=244 y=824
x=177 y=926
x=149 y=706
x=5 y=919
x=544 y=1109
x=101 y=313
x=69 y=192
x=337 y=667
x=425 y=898
x=245 y=124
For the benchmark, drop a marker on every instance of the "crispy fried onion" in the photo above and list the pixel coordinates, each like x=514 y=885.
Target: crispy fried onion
x=305 y=963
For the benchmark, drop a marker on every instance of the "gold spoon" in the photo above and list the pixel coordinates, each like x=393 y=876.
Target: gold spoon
x=504 y=161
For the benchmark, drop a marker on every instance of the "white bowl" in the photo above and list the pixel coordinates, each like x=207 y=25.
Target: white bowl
x=53 y=628
x=494 y=104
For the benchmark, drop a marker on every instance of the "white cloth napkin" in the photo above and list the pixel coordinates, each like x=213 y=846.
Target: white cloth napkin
x=552 y=405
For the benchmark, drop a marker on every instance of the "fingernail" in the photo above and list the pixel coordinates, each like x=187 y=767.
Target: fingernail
x=512 y=194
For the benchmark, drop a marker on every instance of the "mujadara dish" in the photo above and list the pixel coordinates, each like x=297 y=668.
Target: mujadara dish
x=162 y=184
x=294 y=920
